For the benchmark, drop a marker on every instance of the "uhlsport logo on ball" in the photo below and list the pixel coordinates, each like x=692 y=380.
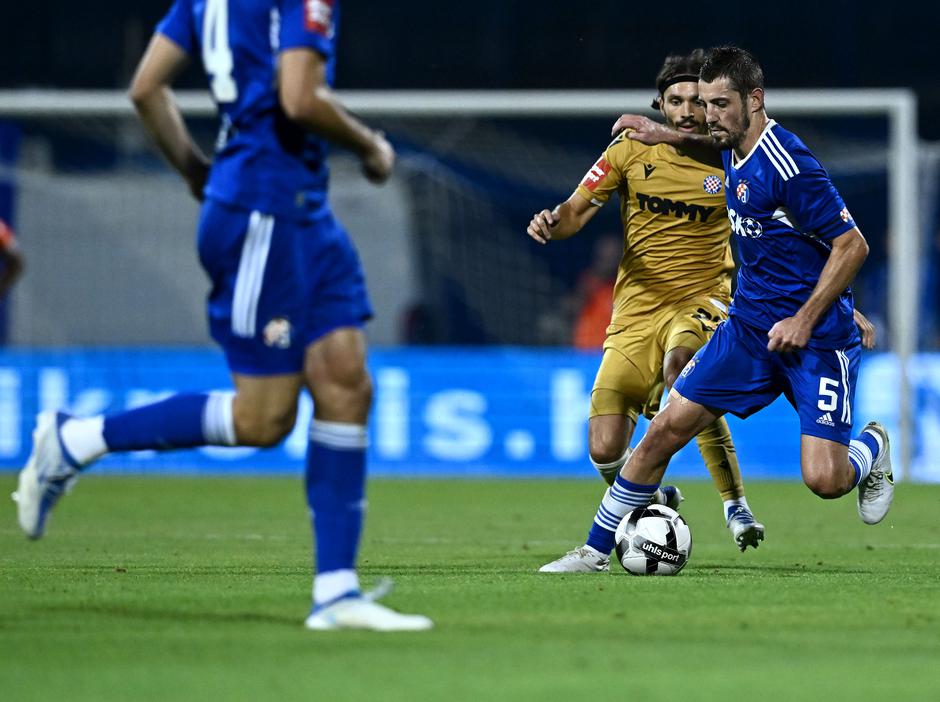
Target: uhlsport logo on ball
x=653 y=540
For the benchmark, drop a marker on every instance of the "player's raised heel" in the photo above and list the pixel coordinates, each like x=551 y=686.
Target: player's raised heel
x=745 y=529
x=45 y=478
x=361 y=611
x=579 y=560
x=876 y=492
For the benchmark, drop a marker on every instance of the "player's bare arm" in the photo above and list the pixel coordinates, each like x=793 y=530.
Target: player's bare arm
x=566 y=220
x=866 y=329
x=848 y=253
x=701 y=147
x=154 y=102
x=308 y=100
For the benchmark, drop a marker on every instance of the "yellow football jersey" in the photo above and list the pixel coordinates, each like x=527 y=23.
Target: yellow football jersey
x=675 y=225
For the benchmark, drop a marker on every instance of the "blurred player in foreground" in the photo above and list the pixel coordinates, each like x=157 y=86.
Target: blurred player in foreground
x=791 y=326
x=288 y=298
x=11 y=259
x=673 y=288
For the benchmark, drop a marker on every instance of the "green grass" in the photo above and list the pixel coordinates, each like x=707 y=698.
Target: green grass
x=195 y=589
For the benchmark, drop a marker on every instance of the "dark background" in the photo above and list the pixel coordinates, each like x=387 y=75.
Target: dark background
x=524 y=44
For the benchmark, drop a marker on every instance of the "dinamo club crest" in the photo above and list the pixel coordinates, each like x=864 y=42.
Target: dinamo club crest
x=743 y=192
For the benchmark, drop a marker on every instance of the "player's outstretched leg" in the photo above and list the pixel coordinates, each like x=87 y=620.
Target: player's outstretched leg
x=620 y=499
x=64 y=445
x=47 y=476
x=870 y=455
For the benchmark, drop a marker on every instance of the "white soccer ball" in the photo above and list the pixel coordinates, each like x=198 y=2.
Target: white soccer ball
x=653 y=540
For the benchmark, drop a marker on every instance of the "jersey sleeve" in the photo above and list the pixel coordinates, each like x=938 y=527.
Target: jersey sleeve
x=606 y=175
x=814 y=200
x=178 y=25
x=309 y=24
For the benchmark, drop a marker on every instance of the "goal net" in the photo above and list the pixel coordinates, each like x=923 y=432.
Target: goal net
x=109 y=230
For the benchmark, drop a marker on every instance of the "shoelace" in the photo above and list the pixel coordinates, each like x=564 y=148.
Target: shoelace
x=740 y=514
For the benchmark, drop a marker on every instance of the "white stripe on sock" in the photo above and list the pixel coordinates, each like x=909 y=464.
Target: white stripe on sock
x=339 y=435
x=603 y=467
x=863 y=458
x=84 y=438
x=614 y=508
x=218 y=420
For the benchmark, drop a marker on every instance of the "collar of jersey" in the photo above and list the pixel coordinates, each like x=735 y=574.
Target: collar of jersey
x=736 y=166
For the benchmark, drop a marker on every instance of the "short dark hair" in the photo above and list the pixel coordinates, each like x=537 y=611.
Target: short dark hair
x=678 y=68
x=737 y=65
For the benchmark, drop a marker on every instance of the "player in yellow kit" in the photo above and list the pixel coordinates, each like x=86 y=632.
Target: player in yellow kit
x=673 y=288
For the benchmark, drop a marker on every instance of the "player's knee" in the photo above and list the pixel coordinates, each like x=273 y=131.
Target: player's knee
x=343 y=395
x=827 y=484
x=264 y=429
x=606 y=450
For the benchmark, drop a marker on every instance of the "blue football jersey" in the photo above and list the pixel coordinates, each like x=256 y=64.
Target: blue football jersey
x=784 y=212
x=263 y=161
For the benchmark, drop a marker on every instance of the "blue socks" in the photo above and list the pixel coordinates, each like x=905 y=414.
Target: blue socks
x=862 y=454
x=335 y=479
x=183 y=420
x=620 y=499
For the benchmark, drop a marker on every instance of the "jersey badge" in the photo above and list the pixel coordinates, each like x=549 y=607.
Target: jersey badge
x=689 y=367
x=648 y=169
x=845 y=214
x=743 y=192
x=712 y=184
x=277 y=333
x=596 y=174
x=318 y=17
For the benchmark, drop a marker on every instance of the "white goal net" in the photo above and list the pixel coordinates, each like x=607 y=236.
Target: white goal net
x=443 y=244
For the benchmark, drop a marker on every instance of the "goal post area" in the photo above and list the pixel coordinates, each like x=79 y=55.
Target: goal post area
x=904 y=199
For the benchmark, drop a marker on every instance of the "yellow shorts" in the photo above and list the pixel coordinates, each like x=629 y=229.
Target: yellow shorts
x=630 y=379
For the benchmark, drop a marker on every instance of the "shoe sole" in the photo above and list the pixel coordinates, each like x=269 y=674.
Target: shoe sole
x=751 y=536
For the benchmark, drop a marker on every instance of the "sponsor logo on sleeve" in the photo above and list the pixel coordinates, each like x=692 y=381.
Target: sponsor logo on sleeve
x=318 y=17
x=846 y=215
x=597 y=173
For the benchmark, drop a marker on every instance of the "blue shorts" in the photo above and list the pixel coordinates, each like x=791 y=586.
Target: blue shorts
x=277 y=285
x=734 y=372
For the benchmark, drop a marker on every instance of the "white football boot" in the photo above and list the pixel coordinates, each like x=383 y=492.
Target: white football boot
x=876 y=492
x=45 y=478
x=583 y=559
x=745 y=530
x=363 y=612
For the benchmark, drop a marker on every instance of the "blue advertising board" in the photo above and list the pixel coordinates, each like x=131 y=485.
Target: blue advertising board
x=438 y=412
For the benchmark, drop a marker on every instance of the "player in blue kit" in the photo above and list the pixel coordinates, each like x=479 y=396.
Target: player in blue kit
x=288 y=298
x=790 y=328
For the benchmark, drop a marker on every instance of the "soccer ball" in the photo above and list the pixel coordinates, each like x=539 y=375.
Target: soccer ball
x=653 y=540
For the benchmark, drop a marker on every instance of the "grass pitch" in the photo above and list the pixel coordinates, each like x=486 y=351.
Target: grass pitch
x=195 y=589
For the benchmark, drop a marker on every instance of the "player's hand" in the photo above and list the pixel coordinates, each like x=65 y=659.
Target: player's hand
x=378 y=161
x=540 y=228
x=790 y=334
x=866 y=328
x=643 y=130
